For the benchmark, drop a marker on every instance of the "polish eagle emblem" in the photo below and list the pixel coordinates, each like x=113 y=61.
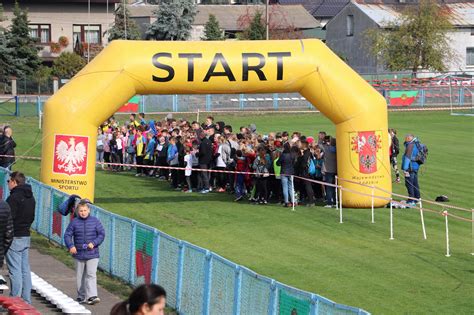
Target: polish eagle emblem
x=70 y=156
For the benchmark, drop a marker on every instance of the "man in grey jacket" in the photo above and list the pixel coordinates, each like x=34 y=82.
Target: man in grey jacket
x=329 y=169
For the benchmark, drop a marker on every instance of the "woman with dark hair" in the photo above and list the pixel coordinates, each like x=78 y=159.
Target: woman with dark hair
x=147 y=299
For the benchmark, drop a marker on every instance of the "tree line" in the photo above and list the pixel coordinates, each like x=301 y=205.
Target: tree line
x=418 y=39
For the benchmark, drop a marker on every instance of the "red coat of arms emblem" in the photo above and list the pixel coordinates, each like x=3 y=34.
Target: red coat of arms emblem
x=366 y=147
x=70 y=154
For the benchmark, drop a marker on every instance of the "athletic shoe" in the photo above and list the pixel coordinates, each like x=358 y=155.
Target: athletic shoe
x=93 y=300
x=204 y=191
x=81 y=301
x=189 y=191
x=239 y=198
x=328 y=206
x=397 y=180
x=137 y=174
x=221 y=190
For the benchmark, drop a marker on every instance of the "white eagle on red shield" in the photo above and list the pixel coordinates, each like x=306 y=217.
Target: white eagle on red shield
x=70 y=155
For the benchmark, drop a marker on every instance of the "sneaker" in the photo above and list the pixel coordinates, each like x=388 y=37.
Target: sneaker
x=221 y=190
x=137 y=175
x=328 y=206
x=239 y=198
x=204 y=191
x=80 y=301
x=189 y=191
x=397 y=180
x=93 y=300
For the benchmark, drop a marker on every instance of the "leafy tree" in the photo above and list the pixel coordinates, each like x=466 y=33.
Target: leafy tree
x=117 y=31
x=212 y=31
x=418 y=39
x=6 y=61
x=256 y=29
x=67 y=65
x=173 y=21
x=42 y=76
x=24 y=51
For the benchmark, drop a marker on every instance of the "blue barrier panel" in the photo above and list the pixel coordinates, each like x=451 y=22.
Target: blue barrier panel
x=144 y=242
x=45 y=223
x=104 y=249
x=196 y=280
x=255 y=296
x=122 y=248
x=192 y=289
x=222 y=286
x=168 y=266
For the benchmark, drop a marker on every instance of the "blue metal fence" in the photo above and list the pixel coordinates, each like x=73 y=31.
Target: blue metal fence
x=426 y=96
x=197 y=280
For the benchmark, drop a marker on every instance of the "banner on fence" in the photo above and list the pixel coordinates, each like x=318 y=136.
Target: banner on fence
x=402 y=98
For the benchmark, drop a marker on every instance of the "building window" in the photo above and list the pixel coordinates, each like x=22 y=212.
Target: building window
x=350 y=25
x=470 y=56
x=87 y=34
x=41 y=33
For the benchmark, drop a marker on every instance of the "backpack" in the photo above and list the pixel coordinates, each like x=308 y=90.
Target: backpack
x=312 y=167
x=232 y=150
x=422 y=153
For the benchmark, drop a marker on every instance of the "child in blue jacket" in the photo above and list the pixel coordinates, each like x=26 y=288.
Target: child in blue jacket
x=82 y=237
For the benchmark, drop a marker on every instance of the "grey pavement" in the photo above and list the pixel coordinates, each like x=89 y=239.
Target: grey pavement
x=62 y=278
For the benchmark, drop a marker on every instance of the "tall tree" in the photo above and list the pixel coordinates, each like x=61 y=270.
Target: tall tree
x=212 y=30
x=418 y=39
x=124 y=27
x=24 y=51
x=256 y=28
x=6 y=61
x=173 y=21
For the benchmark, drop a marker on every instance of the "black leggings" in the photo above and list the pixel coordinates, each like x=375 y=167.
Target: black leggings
x=261 y=192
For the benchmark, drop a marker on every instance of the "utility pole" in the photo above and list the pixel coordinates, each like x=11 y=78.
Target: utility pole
x=266 y=19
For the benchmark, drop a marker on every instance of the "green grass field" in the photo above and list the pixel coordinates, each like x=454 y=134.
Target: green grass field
x=353 y=263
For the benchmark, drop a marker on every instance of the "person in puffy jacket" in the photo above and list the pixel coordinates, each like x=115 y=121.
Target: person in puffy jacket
x=83 y=237
x=6 y=229
x=410 y=168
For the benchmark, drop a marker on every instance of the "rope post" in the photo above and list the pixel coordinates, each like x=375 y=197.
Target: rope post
x=445 y=213
x=391 y=219
x=422 y=219
x=340 y=204
x=292 y=194
x=336 y=191
x=472 y=231
x=373 y=214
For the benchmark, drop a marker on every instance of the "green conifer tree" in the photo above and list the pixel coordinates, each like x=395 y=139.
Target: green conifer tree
x=212 y=30
x=124 y=27
x=24 y=51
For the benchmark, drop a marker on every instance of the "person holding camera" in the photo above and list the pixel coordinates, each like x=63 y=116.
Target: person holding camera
x=7 y=148
x=83 y=237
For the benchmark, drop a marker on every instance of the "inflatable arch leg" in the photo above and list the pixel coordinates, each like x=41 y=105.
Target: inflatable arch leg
x=126 y=68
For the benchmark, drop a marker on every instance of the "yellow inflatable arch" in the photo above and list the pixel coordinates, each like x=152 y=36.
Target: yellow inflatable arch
x=126 y=68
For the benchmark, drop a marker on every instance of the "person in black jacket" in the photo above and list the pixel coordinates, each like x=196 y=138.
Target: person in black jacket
x=305 y=160
x=7 y=147
x=205 y=158
x=6 y=229
x=22 y=204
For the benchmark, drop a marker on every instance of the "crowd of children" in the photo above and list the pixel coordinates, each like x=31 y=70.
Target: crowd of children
x=192 y=148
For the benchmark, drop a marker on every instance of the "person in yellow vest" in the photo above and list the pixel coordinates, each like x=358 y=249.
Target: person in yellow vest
x=140 y=147
x=133 y=121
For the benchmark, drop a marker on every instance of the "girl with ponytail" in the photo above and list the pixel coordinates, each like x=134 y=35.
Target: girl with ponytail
x=147 y=299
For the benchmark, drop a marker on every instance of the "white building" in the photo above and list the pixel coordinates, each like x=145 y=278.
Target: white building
x=345 y=34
